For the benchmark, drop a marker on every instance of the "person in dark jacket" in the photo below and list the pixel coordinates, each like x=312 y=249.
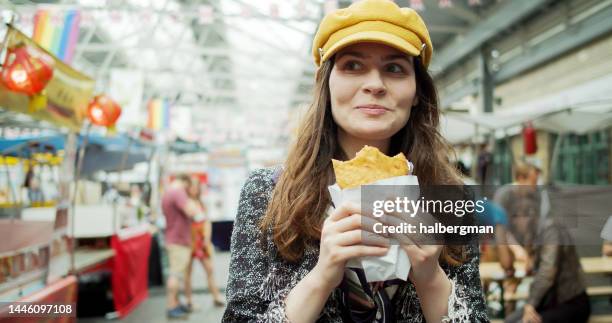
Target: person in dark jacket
x=558 y=290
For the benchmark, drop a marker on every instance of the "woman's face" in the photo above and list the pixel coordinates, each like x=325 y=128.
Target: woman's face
x=373 y=89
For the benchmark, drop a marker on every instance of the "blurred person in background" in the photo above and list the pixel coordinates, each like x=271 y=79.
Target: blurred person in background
x=32 y=185
x=202 y=249
x=494 y=248
x=135 y=210
x=178 y=209
x=606 y=235
x=111 y=194
x=502 y=248
x=524 y=187
x=498 y=248
x=485 y=159
x=525 y=183
x=558 y=290
x=137 y=203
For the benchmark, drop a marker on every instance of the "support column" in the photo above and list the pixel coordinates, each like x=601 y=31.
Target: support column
x=486 y=81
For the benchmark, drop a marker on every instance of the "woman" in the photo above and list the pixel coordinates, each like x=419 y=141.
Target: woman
x=202 y=249
x=288 y=254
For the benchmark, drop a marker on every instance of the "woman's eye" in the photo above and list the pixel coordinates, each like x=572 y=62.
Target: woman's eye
x=352 y=66
x=395 y=68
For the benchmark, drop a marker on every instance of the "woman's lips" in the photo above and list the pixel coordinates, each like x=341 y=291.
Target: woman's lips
x=373 y=109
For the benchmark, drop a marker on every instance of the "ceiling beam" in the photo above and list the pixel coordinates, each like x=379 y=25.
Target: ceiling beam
x=285 y=24
x=184 y=12
x=447 y=29
x=468 y=88
x=229 y=76
x=459 y=11
x=508 y=14
x=203 y=50
x=152 y=72
x=105 y=47
x=574 y=36
x=88 y=37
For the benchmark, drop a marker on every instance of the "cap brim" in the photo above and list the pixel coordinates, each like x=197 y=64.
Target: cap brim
x=373 y=37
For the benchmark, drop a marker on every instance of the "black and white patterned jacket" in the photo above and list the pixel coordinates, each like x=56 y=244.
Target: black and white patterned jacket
x=259 y=280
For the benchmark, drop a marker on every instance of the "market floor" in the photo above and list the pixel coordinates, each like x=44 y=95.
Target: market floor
x=154 y=308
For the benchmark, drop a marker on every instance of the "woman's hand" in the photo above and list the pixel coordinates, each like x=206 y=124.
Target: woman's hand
x=424 y=263
x=346 y=234
x=423 y=250
x=431 y=282
x=342 y=238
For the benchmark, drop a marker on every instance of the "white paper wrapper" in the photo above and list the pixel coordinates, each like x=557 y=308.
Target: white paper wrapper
x=395 y=264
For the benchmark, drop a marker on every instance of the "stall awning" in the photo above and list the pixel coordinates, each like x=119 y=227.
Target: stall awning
x=102 y=154
x=180 y=146
x=24 y=146
x=583 y=108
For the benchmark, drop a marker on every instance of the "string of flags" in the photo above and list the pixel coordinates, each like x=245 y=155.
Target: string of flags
x=57 y=32
x=69 y=20
x=418 y=5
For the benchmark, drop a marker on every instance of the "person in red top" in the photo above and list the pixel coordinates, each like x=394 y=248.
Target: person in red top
x=201 y=249
x=178 y=209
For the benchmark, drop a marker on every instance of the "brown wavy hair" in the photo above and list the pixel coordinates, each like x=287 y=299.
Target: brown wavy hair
x=296 y=211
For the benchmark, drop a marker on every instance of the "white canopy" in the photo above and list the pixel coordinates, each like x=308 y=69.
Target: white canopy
x=581 y=109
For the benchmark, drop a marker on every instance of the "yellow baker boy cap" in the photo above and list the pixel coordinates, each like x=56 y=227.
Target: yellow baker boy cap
x=378 y=21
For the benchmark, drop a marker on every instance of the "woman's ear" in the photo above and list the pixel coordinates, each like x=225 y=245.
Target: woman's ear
x=415 y=102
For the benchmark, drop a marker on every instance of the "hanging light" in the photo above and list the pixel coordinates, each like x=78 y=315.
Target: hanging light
x=26 y=70
x=530 y=142
x=103 y=111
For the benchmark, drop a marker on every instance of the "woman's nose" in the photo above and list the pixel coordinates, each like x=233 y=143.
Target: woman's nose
x=374 y=84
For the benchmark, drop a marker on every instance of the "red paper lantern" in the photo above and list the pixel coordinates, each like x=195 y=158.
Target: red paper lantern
x=103 y=111
x=529 y=139
x=26 y=70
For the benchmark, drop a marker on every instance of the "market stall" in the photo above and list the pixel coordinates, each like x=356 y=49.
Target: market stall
x=56 y=236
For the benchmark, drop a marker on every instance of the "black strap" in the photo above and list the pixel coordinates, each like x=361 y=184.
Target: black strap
x=383 y=305
x=381 y=299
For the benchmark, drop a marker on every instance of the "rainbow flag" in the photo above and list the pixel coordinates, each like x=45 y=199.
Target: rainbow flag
x=57 y=32
x=159 y=114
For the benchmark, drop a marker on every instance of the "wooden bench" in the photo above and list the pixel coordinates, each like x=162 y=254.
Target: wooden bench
x=492 y=271
x=591 y=291
x=601 y=318
x=591 y=265
x=599 y=291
